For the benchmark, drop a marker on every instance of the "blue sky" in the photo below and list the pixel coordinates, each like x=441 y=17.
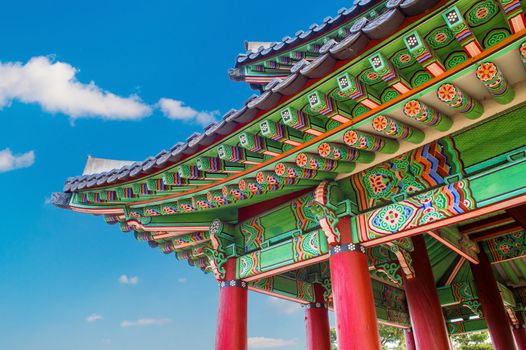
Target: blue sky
x=67 y=71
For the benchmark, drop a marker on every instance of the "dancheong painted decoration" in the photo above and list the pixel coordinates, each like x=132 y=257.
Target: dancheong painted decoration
x=378 y=173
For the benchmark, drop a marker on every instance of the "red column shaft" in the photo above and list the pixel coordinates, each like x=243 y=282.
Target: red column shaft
x=429 y=327
x=409 y=339
x=492 y=306
x=317 y=322
x=231 y=331
x=519 y=333
x=352 y=293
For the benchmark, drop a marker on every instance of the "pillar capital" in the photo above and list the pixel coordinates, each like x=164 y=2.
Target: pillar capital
x=317 y=305
x=349 y=247
x=233 y=283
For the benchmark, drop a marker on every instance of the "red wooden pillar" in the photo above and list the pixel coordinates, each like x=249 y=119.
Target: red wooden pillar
x=492 y=306
x=409 y=339
x=519 y=333
x=317 y=322
x=425 y=311
x=352 y=293
x=232 y=319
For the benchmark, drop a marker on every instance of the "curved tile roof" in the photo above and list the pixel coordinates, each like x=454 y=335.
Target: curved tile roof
x=350 y=47
x=301 y=37
x=395 y=12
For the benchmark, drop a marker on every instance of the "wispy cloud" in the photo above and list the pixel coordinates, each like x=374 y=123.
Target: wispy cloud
x=176 y=110
x=94 y=318
x=266 y=343
x=283 y=306
x=10 y=161
x=53 y=85
x=125 y=279
x=182 y=280
x=142 y=322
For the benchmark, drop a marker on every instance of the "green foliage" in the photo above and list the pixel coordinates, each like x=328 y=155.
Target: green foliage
x=472 y=341
x=392 y=338
x=334 y=340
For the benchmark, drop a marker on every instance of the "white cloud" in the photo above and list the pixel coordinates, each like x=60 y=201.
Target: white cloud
x=10 y=161
x=283 y=306
x=176 y=110
x=54 y=86
x=182 y=280
x=141 y=322
x=94 y=318
x=125 y=279
x=265 y=343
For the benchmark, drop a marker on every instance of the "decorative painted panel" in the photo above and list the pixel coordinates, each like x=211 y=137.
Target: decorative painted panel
x=293 y=250
x=295 y=216
x=434 y=205
x=410 y=173
x=506 y=247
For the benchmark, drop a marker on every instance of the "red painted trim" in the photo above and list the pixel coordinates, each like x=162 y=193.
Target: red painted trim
x=500 y=219
x=177 y=229
x=497 y=231
x=98 y=211
x=455 y=271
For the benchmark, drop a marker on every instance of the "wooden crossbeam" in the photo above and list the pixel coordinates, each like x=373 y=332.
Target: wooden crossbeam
x=519 y=215
x=456 y=269
x=495 y=232
x=483 y=224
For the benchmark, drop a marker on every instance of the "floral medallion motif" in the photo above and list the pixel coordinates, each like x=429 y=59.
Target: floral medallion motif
x=486 y=71
x=412 y=108
x=447 y=93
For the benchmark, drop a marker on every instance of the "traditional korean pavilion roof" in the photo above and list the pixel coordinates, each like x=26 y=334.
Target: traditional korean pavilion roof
x=344 y=36
x=402 y=102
